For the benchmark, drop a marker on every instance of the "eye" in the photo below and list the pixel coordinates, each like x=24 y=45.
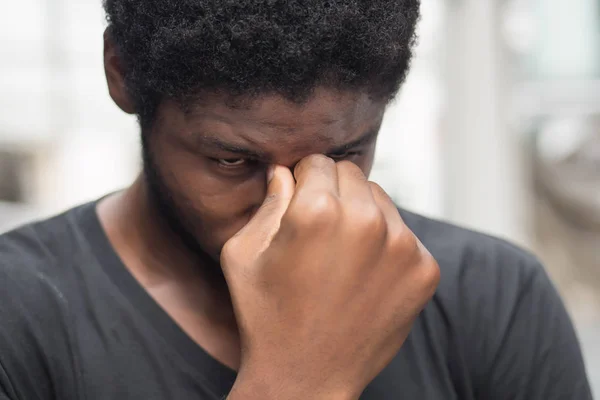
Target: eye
x=231 y=162
x=342 y=155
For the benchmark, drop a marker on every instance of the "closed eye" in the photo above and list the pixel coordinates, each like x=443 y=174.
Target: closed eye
x=240 y=162
x=231 y=162
x=343 y=155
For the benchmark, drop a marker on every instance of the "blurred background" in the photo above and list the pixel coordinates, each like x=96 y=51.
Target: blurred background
x=496 y=129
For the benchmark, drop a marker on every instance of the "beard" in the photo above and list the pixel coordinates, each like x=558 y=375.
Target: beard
x=164 y=204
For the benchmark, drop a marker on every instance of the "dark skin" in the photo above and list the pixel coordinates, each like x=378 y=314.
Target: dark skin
x=212 y=160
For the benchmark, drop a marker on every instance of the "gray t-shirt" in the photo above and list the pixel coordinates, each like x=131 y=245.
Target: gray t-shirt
x=74 y=324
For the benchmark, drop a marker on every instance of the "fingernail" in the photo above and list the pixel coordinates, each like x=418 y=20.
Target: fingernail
x=270 y=173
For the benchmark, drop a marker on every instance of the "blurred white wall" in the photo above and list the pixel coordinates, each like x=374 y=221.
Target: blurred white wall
x=408 y=163
x=56 y=104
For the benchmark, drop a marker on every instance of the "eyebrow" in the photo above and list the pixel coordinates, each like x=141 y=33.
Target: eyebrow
x=215 y=143
x=364 y=139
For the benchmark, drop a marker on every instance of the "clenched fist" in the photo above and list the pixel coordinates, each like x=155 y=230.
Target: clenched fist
x=326 y=281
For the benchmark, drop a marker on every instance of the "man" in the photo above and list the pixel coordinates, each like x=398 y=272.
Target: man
x=252 y=259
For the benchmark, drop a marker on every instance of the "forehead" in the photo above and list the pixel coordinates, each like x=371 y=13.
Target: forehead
x=327 y=117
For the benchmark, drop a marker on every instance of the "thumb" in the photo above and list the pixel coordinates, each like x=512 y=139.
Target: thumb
x=256 y=236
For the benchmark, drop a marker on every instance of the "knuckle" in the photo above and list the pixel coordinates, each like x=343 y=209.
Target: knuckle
x=371 y=219
x=230 y=251
x=376 y=188
x=319 y=160
x=419 y=282
x=316 y=161
x=429 y=275
x=322 y=209
x=379 y=192
x=403 y=241
x=351 y=169
x=324 y=206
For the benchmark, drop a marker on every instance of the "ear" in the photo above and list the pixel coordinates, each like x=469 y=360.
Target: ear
x=114 y=76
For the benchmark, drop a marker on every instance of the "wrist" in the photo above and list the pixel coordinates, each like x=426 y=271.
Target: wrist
x=270 y=385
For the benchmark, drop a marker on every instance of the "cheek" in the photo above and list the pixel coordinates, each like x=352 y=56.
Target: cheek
x=214 y=206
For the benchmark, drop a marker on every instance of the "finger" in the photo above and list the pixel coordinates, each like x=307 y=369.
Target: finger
x=258 y=233
x=396 y=226
x=316 y=174
x=388 y=208
x=353 y=185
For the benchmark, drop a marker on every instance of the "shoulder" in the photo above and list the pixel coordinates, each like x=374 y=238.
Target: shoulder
x=473 y=261
x=502 y=316
x=26 y=265
x=37 y=268
x=36 y=327
x=32 y=254
x=43 y=248
x=485 y=284
x=32 y=273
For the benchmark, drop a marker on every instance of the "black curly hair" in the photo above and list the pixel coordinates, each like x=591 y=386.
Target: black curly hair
x=179 y=49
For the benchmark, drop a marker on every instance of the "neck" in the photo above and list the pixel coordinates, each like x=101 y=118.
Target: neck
x=159 y=260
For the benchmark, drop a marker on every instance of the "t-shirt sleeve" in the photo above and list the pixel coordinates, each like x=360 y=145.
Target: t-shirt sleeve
x=36 y=356
x=535 y=353
x=6 y=386
x=509 y=335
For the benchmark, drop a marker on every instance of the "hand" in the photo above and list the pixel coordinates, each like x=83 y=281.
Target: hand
x=326 y=281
